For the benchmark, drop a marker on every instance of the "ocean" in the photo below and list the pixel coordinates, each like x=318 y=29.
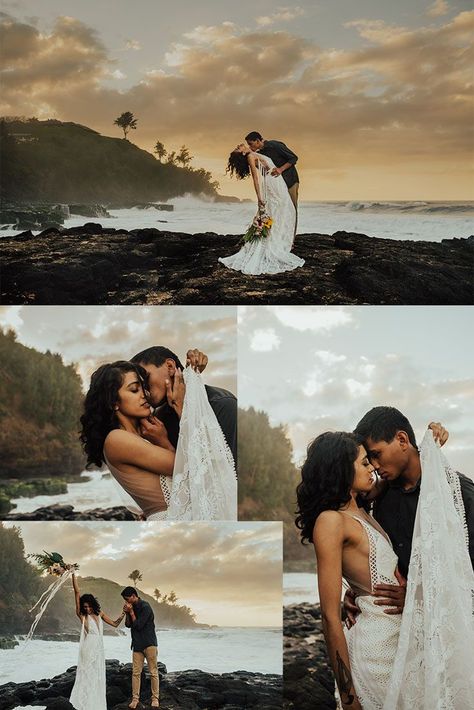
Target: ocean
x=426 y=221
x=218 y=650
x=101 y=491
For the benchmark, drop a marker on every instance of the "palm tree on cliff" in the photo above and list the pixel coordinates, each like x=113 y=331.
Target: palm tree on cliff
x=160 y=150
x=184 y=157
x=172 y=598
x=135 y=576
x=127 y=122
x=157 y=594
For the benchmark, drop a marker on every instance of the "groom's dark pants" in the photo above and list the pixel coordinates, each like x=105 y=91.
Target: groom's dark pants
x=151 y=655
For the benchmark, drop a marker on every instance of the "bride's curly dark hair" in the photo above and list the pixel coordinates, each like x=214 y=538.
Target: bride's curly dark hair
x=238 y=165
x=99 y=416
x=92 y=601
x=326 y=478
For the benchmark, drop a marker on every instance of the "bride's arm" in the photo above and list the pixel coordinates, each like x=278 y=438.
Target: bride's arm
x=110 y=621
x=77 y=596
x=256 y=182
x=328 y=539
x=121 y=447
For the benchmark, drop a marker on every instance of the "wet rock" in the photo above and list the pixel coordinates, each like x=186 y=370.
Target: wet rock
x=95 y=265
x=89 y=210
x=188 y=690
x=60 y=511
x=308 y=678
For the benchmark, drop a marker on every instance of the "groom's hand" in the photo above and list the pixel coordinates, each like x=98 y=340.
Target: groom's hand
x=392 y=595
x=175 y=392
x=196 y=360
x=276 y=171
x=440 y=434
x=350 y=608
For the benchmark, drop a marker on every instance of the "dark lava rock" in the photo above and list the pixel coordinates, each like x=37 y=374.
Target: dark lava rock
x=186 y=690
x=89 y=210
x=308 y=678
x=61 y=511
x=94 y=265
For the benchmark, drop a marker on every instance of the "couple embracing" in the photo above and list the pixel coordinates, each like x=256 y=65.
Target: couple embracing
x=269 y=240
x=89 y=691
x=168 y=440
x=396 y=524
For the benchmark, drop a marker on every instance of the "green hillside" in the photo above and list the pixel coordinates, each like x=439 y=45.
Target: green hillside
x=267 y=483
x=52 y=161
x=40 y=402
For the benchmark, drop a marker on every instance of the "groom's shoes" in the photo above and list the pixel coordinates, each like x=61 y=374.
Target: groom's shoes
x=133 y=704
x=155 y=704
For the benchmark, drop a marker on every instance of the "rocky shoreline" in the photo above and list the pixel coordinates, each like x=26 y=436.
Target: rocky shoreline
x=91 y=265
x=308 y=678
x=184 y=690
x=61 y=511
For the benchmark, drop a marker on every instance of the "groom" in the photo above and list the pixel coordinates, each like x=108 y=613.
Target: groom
x=284 y=159
x=166 y=394
x=141 y=622
x=391 y=447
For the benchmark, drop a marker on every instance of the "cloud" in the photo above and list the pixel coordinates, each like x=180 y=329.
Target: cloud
x=314 y=318
x=264 y=340
x=10 y=318
x=375 y=110
x=438 y=8
x=284 y=14
x=133 y=44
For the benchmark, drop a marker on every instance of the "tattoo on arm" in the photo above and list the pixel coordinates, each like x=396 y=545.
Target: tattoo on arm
x=344 y=681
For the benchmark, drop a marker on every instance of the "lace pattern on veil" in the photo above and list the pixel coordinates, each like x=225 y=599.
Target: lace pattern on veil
x=204 y=484
x=433 y=667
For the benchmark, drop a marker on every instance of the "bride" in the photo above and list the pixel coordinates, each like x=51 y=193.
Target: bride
x=114 y=406
x=271 y=254
x=89 y=687
x=197 y=481
x=384 y=661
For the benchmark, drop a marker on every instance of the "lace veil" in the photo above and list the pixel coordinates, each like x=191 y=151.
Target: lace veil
x=204 y=483
x=433 y=665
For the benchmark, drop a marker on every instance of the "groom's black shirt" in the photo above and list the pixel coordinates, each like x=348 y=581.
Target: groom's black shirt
x=143 y=628
x=224 y=405
x=281 y=154
x=395 y=510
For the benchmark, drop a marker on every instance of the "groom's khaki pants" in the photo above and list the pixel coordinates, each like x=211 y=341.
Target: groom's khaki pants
x=151 y=655
x=293 y=190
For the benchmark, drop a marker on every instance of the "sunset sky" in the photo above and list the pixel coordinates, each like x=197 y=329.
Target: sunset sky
x=315 y=369
x=374 y=96
x=92 y=335
x=228 y=573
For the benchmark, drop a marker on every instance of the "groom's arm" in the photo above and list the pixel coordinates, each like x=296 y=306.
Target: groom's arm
x=146 y=614
x=467 y=492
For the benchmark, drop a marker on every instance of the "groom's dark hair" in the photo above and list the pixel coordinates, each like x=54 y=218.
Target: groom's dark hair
x=253 y=136
x=128 y=591
x=156 y=355
x=382 y=423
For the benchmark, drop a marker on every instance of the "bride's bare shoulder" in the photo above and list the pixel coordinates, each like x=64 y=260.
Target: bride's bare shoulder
x=329 y=522
x=117 y=439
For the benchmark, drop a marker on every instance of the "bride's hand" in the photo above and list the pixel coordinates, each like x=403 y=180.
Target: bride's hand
x=440 y=434
x=154 y=431
x=197 y=360
x=175 y=392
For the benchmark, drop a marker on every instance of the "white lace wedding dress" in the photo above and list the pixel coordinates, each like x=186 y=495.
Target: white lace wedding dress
x=89 y=688
x=433 y=665
x=271 y=255
x=372 y=641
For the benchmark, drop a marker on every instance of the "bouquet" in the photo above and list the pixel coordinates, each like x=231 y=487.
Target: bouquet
x=260 y=227
x=53 y=563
